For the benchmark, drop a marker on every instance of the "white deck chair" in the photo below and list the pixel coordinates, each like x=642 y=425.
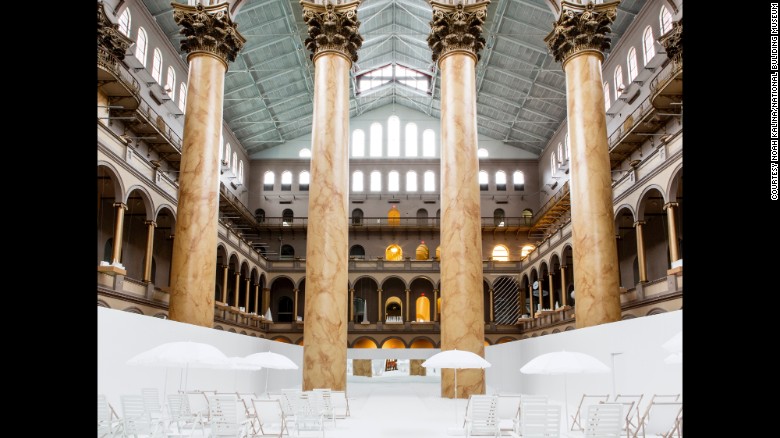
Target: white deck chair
x=136 y=420
x=309 y=413
x=604 y=420
x=529 y=399
x=179 y=413
x=340 y=404
x=541 y=421
x=270 y=417
x=225 y=418
x=245 y=399
x=631 y=410
x=508 y=412
x=153 y=406
x=198 y=403
x=585 y=402
x=109 y=422
x=481 y=416
x=661 y=419
x=327 y=405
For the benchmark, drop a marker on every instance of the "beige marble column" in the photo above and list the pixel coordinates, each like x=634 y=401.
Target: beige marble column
x=492 y=319
x=150 y=225
x=352 y=305
x=579 y=39
x=257 y=298
x=670 y=207
x=333 y=41
x=119 y=225
x=246 y=295
x=435 y=305
x=563 y=285
x=236 y=289
x=407 y=305
x=456 y=40
x=379 y=307
x=211 y=41
x=266 y=300
x=224 y=283
x=550 y=285
x=531 y=295
x=295 y=305
x=640 y=251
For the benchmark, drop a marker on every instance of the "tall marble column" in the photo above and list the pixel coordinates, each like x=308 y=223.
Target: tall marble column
x=295 y=305
x=550 y=285
x=257 y=298
x=119 y=225
x=210 y=40
x=563 y=285
x=670 y=208
x=224 y=284
x=579 y=39
x=150 y=225
x=640 y=251
x=236 y=289
x=334 y=41
x=456 y=39
x=266 y=300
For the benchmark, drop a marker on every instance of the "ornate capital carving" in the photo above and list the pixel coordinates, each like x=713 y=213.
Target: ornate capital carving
x=332 y=28
x=109 y=36
x=581 y=28
x=457 y=28
x=673 y=42
x=208 y=29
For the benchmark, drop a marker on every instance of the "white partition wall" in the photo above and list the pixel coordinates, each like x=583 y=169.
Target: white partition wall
x=632 y=348
x=122 y=335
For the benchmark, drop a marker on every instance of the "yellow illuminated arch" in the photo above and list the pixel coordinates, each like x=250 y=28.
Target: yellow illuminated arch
x=423 y=309
x=393 y=343
x=364 y=343
x=394 y=216
x=394 y=253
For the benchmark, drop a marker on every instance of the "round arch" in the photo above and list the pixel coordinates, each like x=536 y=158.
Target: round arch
x=675 y=183
x=656 y=311
x=146 y=198
x=642 y=205
x=365 y=342
x=422 y=342
x=106 y=169
x=133 y=309
x=393 y=342
x=102 y=303
x=392 y=278
x=282 y=339
x=625 y=207
x=504 y=340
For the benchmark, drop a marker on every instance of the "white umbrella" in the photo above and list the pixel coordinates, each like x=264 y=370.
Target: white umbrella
x=267 y=359
x=184 y=354
x=457 y=359
x=674 y=345
x=564 y=362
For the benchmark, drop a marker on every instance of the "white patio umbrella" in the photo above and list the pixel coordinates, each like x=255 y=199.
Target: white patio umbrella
x=183 y=355
x=456 y=359
x=267 y=359
x=564 y=362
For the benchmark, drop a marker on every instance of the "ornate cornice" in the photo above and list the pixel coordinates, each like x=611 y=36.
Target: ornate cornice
x=332 y=28
x=457 y=28
x=109 y=37
x=673 y=42
x=581 y=28
x=208 y=29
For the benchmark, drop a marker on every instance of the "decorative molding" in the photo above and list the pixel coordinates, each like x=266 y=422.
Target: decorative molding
x=673 y=42
x=108 y=35
x=208 y=29
x=457 y=28
x=581 y=28
x=332 y=28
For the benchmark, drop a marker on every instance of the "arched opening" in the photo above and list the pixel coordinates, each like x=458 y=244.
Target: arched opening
x=393 y=310
x=284 y=309
x=288 y=252
x=500 y=253
x=655 y=234
x=282 y=299
x=393 y=343
x=394 y=216
x=364 y=343
x=422 y=309
x=357 y=252
x=525 y=250
x=282 y=339
x=527 y=215
x=422 y=217
x=628 y=267
x=420 y=291
x=422 y=343
x=357 y=217
x=134 y=234
x=365 y=300
x=109 y=191
x=163 y=247
x=260 y=215
x=287 y=217
x=394 y=253
x=422 y=252
x=498 y=217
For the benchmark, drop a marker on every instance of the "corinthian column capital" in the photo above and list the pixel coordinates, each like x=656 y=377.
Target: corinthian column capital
x=457 y=28
x=208 y=29
x=582 y=28
x=332 y=29
x=109 y=36
x=673 y=42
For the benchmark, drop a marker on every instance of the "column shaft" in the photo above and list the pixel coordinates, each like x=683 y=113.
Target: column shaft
x=563 y=286
x=552 y=295
x=246 y=296
x=640 y=251
x=257 y=298
x=407 y=305
x=236 y=289
x=379 y=311
x=149 y=249
x=295 y=305
x=672 y=225
x=119 y=224
x=224 y=284
x=492 y=318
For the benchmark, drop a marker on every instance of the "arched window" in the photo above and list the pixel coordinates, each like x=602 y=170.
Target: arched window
x=140 y=46
x=268 y=181
x=483 y=180
x=357 y=252
x=157 y=66
x=358 y=143
x=429 y=143
x=411 y=140
x=357 y=181
x=227 y=151
x=304 y=153
x=357 y=217
x=500 y=253
x=303 y=181
x=633 y=70
x=482 y=153
x=429 y=181
x=648 y=44
x=666 y=20
x=241 y=171
x=234 y=167
x=286 y=181
x=422 y=217
x=393 y=136
x=527 y=215
x=561 y=158
x=124 y=22
x=183 y=97
x=411 y=181
x=607 y=101
x=287 y=217
x=568 y=145
x=498 y=217
x=394 y=253
x=619 y=87
x=553 y=163
x=526 y=249
x=260 y=215
x=518 y=180
x=375 y=149
x=393 y=182
x=288 y=252
x=500 y=181
x=376 y=181
x=170 y=82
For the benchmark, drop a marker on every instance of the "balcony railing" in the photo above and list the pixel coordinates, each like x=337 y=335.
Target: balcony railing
x=412 y=222
x=110 y=63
